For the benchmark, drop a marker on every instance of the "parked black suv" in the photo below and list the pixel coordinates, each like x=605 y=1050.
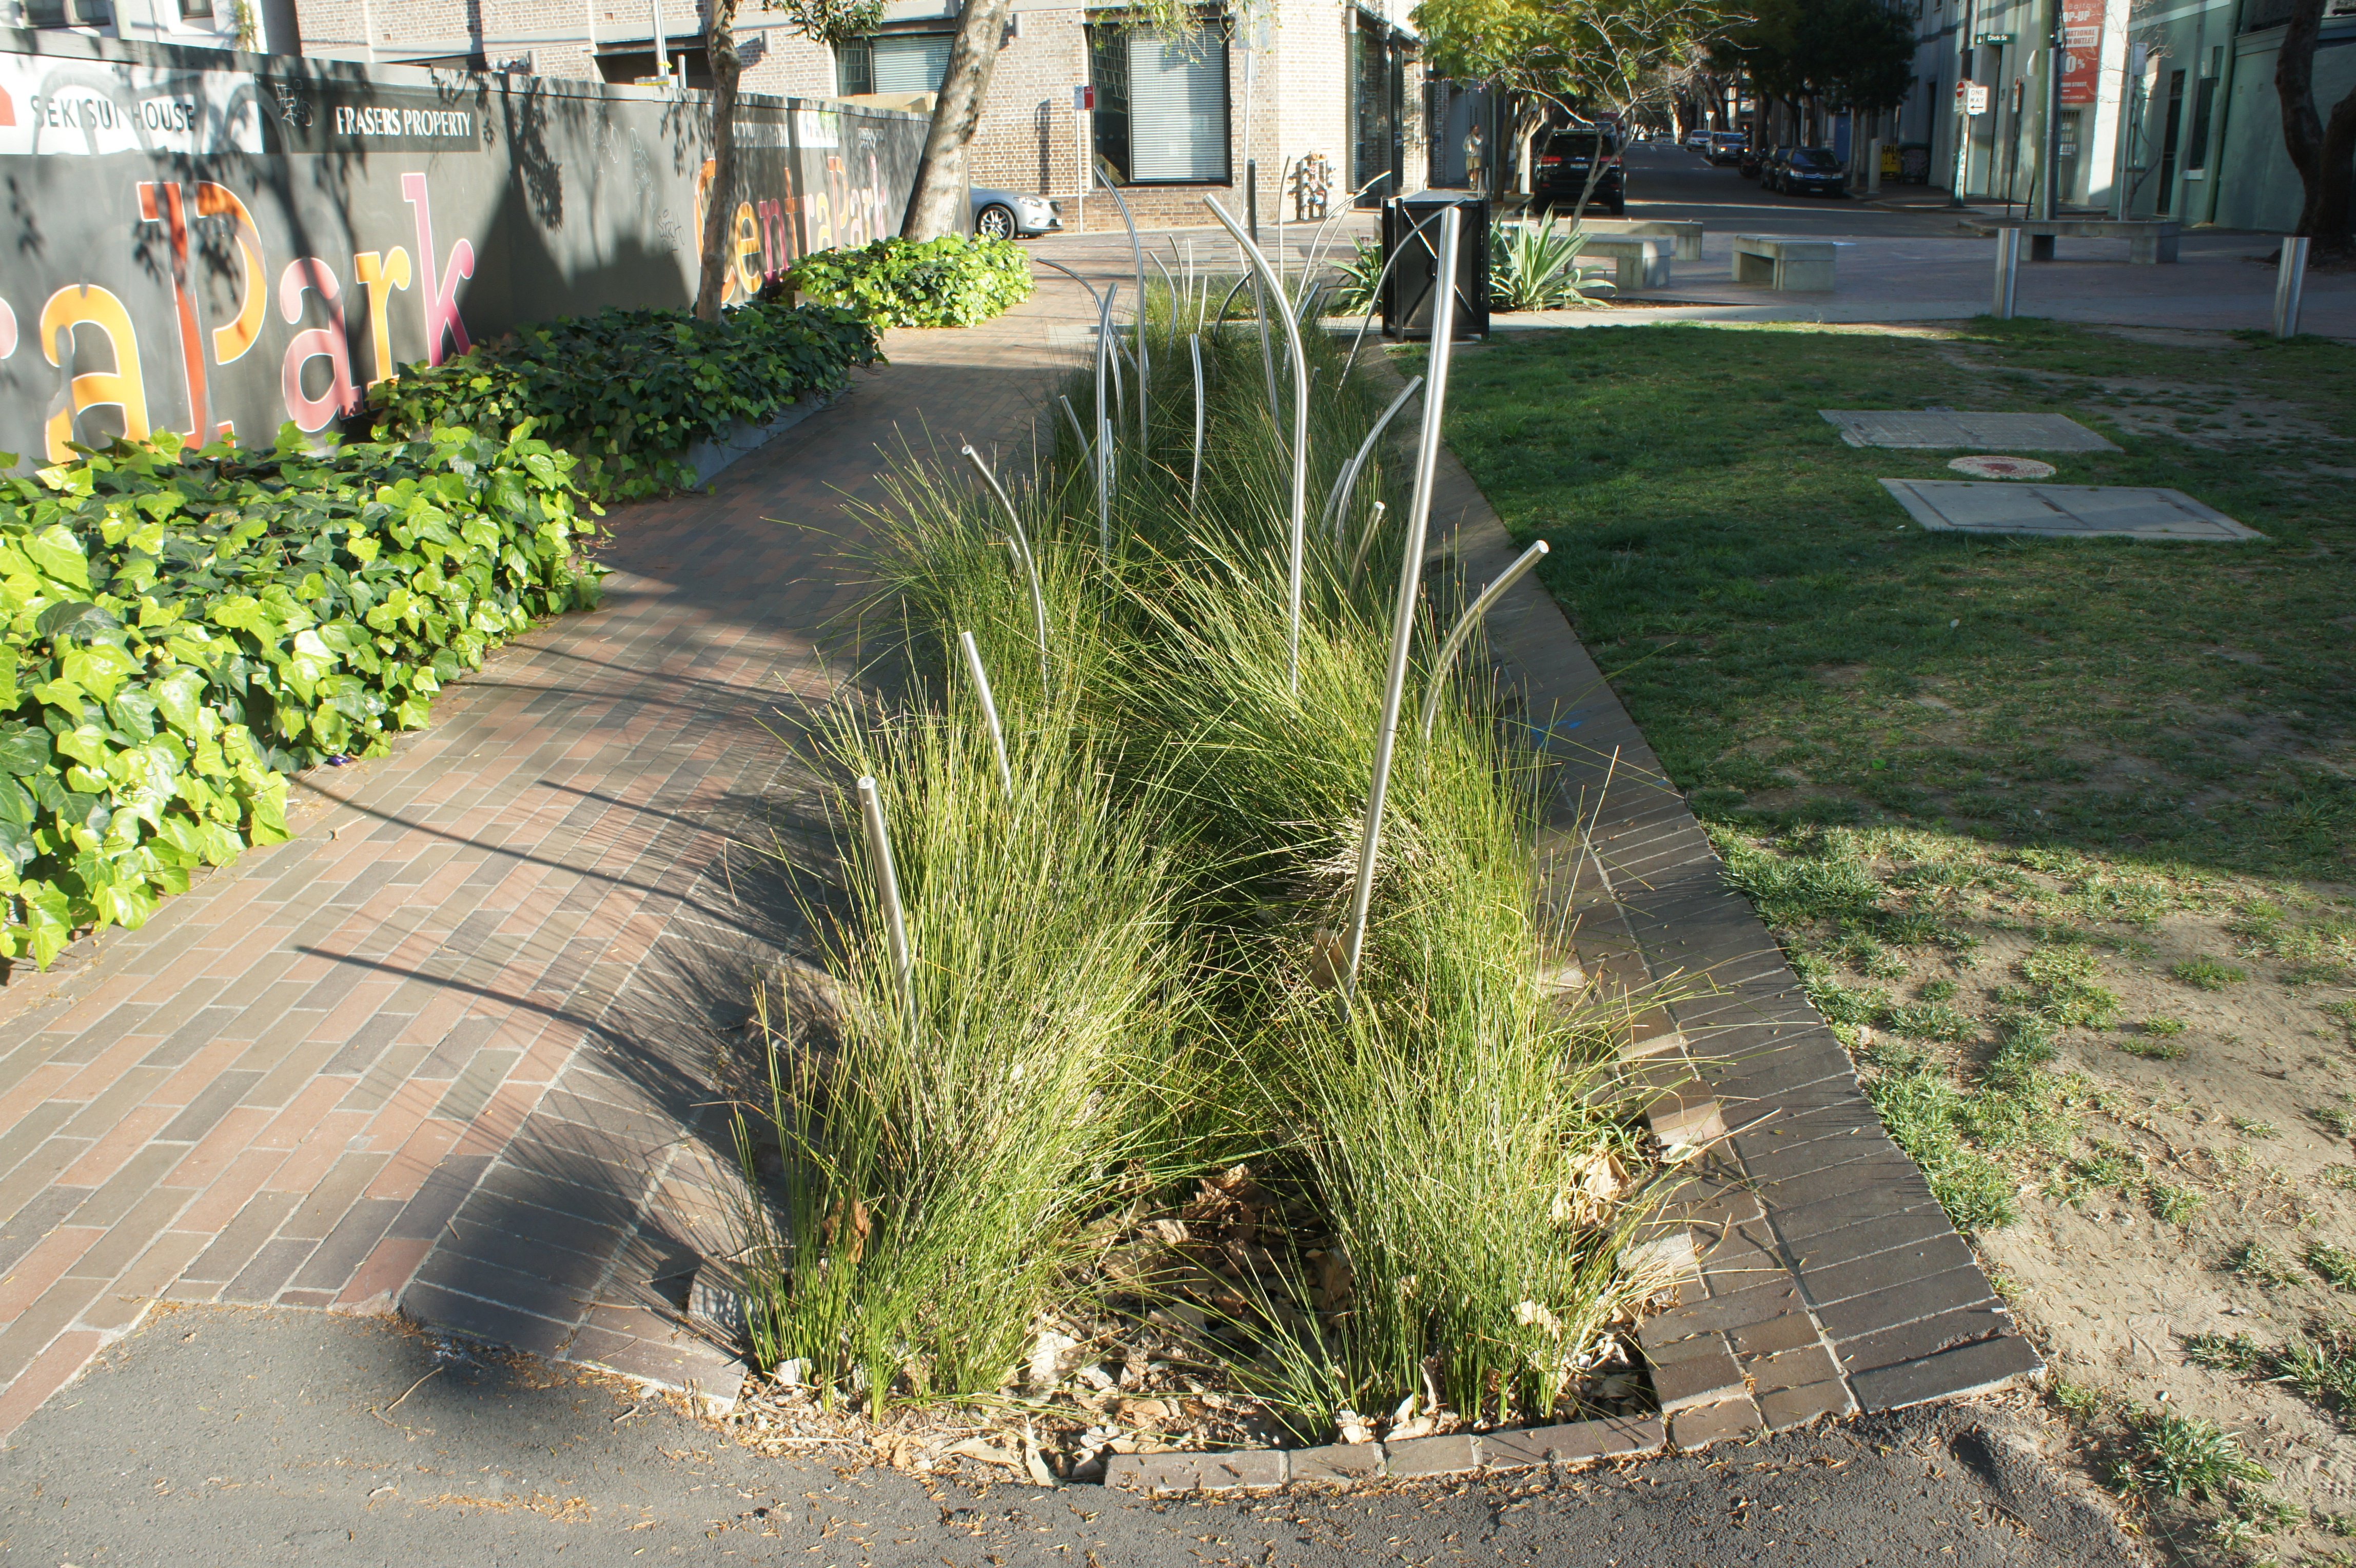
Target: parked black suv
x=1805 y=171
x=1566 y=158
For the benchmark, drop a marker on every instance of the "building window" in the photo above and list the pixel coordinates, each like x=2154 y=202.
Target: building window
x=893 y=62
x=52 y=14
x=2204 y=110
x=196 y=10
x=1161 y=106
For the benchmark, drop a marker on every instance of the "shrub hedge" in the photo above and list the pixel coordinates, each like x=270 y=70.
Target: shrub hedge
x=953 y=281
x=629 y=390
x=185 y=627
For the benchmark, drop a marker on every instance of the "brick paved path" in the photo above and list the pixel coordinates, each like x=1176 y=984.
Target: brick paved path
x=448 y=1046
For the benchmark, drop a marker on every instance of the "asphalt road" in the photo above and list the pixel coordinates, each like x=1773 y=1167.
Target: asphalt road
x=222 y=1437
x=1670 y=182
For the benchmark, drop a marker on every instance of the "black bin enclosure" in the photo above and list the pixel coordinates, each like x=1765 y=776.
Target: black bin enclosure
x=1411 y=233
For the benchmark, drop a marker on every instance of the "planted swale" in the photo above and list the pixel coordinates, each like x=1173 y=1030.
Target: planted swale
x=1114 y=1152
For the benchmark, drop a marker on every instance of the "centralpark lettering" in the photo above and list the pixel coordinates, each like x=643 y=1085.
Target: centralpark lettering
x=378 y=120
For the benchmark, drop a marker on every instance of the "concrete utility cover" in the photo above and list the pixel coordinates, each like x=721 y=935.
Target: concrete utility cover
x=2002 y=467
x=2063 y=512
x=1961 y=427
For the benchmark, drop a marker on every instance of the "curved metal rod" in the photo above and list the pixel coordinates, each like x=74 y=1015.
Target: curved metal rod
x=1376 y=303
x=1317 y=244
x=1104 y=488
x=989 y=708
x=1021 y=542
x=1300 y=453
x=1069 y=273
x=1407 y=600
x=1260 y=321
x=1346 y=481
x=1241 y=278
x=1463 y=629
x=1087 y=446
x=1194 y=484
x=1366 y=538
x=1137 y=253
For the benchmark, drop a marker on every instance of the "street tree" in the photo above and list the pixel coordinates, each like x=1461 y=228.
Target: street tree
x=828 y=22
x=2323 y=149
x=1579 y=60
x=1847 y=54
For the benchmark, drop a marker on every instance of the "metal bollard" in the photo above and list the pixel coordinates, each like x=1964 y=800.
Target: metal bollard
x=2007 y=273
x=2290 y=282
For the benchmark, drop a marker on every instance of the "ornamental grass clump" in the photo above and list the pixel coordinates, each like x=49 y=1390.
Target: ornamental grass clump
x=943 y=1143
x=1409 y=1212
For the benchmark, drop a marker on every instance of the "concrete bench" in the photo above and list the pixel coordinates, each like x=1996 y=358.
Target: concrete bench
x=1637 y=263
x=1686 y=233
x=1784 y=263
x=2149 y=240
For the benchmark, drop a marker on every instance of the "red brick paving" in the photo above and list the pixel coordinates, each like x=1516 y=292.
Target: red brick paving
x=463 y=1019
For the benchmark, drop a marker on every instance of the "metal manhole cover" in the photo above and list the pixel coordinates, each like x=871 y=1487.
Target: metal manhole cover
x=2002 y=467
x=2063 y=512
x=1961 y=427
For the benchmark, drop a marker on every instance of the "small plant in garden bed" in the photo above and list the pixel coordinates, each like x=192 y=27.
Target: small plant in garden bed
x=628 y=392
x=187 y=627
x=952 y=281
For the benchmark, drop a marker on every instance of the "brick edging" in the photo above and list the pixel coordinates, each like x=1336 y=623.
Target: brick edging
x=1418 y=1458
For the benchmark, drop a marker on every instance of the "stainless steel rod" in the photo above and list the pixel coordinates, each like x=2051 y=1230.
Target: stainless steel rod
x=1410 y=584
x=1463 y=629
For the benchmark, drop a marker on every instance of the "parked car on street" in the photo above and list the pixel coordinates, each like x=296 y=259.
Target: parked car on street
x=1805 y=171
x=1565 y=160
x=1014 y=214
x=1726 y=146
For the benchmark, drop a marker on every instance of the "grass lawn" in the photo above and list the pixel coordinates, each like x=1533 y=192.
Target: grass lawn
x=2059 y=833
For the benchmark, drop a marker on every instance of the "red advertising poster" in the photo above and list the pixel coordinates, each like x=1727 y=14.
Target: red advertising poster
x=2081 y=51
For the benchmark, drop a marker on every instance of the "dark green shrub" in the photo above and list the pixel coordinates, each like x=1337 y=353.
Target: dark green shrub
x=187 y=627
x=949 y=281
x=629 y=390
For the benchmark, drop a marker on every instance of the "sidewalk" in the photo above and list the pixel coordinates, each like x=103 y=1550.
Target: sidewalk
x=450 y=1045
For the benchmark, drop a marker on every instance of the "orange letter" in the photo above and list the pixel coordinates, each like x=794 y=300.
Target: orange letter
x=381 y=277
x=230 y=343
x=87 y=305
x=748 y=243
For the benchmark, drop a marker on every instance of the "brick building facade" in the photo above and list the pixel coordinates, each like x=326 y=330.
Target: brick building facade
x=1328 y=78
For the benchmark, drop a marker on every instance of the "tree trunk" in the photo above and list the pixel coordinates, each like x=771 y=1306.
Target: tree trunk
x=2323 y=151
x=935 y=205
x=719 y=201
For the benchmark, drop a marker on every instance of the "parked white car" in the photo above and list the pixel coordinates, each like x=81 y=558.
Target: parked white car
x=1014 y=214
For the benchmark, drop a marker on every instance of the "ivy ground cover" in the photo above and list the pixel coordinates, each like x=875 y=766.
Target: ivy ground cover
x=186 y=628
x=628 y=392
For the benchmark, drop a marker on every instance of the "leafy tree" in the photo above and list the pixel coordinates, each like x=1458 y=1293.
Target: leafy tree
x=1852 y=54
x=1579 y=59
x=2322 y=149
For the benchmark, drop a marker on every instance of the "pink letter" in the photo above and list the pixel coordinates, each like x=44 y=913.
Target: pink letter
x=438 y=298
